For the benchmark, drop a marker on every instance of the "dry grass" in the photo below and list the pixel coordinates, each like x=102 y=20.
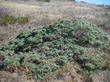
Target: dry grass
x=68 y=73
x=17 y=8
x=45 y=13
x=41 y=13
x=12 y=77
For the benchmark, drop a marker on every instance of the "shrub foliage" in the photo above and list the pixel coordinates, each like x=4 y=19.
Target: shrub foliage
x=48 y=48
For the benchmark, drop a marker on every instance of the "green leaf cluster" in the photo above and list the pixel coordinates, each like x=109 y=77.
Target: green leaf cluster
x=47 y=49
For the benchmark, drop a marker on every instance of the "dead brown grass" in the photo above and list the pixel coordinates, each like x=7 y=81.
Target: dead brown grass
x=13 y=77
x=41 y=13
x=68 y=73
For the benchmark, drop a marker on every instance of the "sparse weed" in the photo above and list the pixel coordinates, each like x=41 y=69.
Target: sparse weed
x=6 y=20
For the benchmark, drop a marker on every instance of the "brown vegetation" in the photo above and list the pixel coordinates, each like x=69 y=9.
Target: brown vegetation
x=13 y=77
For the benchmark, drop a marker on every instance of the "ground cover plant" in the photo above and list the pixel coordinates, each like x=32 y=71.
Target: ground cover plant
x=7 y=19
x=50 y=47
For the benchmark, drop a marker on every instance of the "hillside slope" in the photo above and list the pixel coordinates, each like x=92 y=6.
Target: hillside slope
x=41 y=13
x=72 y=50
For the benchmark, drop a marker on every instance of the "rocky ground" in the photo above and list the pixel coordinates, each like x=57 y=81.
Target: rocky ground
x=43 y=13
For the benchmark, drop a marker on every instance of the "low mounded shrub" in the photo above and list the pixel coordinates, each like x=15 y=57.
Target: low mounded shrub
x=48 y=48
